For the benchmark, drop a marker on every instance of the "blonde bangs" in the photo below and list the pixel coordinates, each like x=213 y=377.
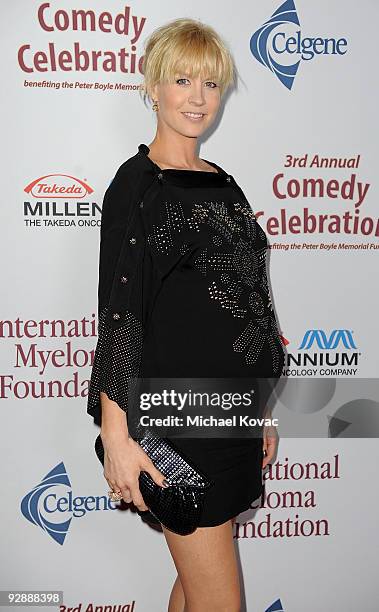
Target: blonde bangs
x=186 y=47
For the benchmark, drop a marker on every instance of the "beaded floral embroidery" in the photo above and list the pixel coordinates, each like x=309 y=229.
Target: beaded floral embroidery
x=236 y=254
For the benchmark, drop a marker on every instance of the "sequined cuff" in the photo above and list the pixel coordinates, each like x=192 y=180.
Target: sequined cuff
x=117 y=358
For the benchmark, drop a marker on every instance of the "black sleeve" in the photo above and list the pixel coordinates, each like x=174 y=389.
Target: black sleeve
x=119 y=344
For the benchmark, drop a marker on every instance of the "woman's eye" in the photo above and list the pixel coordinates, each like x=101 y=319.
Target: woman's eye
x=212 y=83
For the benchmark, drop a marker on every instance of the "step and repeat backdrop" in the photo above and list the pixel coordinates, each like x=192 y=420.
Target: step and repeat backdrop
x=299 y=134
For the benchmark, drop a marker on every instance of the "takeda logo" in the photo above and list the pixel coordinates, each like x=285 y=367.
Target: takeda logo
x=51 y=504
x=321 y=353
x=59 y=186
x=57 y=200
x=279 y=41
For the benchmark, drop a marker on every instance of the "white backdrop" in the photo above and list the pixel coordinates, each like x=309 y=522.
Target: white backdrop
x=63 y=142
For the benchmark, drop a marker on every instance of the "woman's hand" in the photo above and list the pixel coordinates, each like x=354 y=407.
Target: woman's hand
x=270 y=443
x=123 y=461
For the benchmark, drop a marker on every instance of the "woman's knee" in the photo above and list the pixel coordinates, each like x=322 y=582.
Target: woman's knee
x=207 y=566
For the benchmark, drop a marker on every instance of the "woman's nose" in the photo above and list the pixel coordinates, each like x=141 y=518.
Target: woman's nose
x=197 y=95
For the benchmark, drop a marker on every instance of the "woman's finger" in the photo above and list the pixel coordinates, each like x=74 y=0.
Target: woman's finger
x=126 y=494
x=269 y=448
x=137 y=498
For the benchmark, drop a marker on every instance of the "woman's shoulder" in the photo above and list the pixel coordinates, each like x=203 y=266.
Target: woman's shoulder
x=130 y=178
x=132 y=168
x=213 y=164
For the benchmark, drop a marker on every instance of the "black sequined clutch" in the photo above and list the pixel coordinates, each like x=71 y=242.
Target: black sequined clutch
x=179 y=506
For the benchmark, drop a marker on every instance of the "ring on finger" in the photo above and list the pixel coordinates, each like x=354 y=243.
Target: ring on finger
x=115 y=495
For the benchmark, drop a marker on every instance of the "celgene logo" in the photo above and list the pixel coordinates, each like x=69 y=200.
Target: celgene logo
x=323 y=342
x=275 y=607
x=279 y=39
x=51 y=504
x=58 y=186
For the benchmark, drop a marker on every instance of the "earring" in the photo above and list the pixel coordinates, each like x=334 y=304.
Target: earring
x=155 y=106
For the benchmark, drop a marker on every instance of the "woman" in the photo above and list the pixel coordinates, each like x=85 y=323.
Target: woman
x=183 y=292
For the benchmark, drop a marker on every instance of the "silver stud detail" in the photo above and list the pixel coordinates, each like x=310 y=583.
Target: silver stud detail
x=124 y=279
x=141 y=204
x=132 y=240
x=240 y=268
x=117 y=358
x=160 y=175
x=228 y=179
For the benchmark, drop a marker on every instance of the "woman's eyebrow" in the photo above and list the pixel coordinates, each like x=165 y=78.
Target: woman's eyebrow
x=189 y=76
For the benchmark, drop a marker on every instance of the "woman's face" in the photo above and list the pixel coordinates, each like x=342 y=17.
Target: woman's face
x=188 y=105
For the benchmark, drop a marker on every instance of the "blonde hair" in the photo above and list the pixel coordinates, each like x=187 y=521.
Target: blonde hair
x=186 y=46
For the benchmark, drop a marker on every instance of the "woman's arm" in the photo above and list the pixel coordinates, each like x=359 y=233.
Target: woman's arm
x=119 y=346
x=112 y=418
x=113 y=362
x=123 y=457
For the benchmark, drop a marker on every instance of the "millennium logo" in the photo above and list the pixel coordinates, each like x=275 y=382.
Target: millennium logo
x=322 y=341
x=51 y=504
x=56 y=200
x=279 y=41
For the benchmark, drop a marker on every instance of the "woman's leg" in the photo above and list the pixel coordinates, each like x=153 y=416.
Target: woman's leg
x=177 y=600
x=207 y=568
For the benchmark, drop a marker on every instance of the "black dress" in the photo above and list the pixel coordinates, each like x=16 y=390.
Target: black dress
x=207 y=312
x=212 y=315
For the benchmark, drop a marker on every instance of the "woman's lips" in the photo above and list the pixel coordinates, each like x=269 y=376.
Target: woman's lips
x=194 y=116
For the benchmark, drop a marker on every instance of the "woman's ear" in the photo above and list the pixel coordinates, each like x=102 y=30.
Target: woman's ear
x=153 y=93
